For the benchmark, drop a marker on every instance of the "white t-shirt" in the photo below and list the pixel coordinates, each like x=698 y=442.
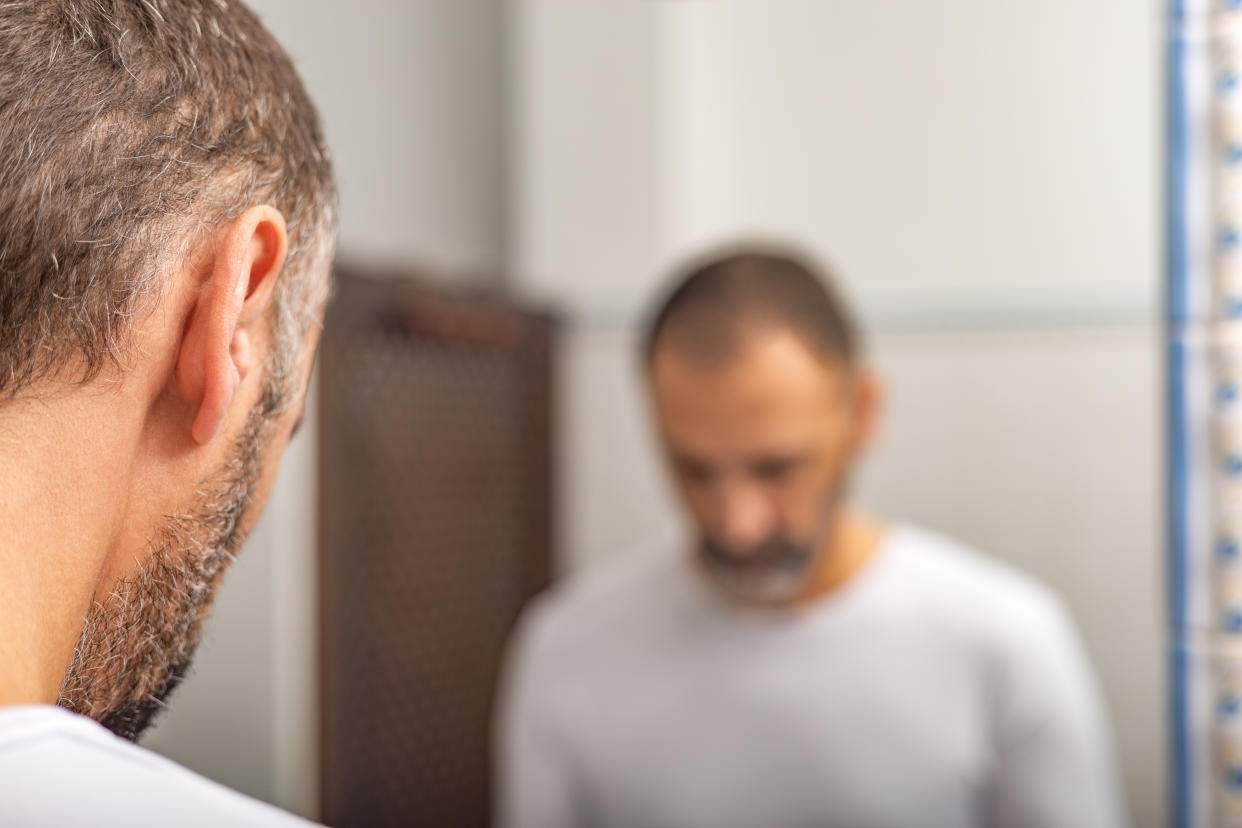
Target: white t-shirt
x=935 y=689
x=60 y=769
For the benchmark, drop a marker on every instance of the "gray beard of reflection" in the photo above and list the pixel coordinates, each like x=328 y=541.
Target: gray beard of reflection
x=137 y=644
x=774 y=571
x=771 y=572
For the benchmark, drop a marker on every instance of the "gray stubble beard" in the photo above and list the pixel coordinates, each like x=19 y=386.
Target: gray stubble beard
x=137 y=644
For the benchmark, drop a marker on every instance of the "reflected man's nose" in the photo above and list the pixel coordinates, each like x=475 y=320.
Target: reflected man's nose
x=744 y=520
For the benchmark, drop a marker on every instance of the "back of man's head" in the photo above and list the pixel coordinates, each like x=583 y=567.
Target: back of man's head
x=722 y=302
x=129 y=128
x=167 y=218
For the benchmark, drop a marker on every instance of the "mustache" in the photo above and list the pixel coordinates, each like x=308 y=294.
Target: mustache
x=776 y=551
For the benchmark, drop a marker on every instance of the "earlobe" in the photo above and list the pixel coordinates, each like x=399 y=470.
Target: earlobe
x=217 y=396
x=216 y=351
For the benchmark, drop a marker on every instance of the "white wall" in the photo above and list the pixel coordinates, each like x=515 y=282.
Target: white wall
x=943 y=155
x=949 y=158
x=591 y=204
x=984 y=176
x=411 y=94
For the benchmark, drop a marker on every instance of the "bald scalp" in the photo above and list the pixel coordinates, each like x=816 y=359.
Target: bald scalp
x=717 y=308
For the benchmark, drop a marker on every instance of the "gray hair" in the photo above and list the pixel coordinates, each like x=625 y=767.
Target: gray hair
x=128 y=130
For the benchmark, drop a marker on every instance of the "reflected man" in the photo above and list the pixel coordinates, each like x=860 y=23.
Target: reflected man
x=798 y=663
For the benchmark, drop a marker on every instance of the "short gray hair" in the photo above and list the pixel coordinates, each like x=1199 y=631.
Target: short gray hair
x=128 y=129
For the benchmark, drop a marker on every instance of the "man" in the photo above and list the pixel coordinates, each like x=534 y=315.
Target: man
x=166 y=228
x=799 y=663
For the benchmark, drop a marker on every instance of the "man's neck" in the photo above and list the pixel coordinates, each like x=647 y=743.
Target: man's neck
x=852 y=540
x=58 y=511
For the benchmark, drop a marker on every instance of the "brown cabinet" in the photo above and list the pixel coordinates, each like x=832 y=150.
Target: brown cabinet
x=435 y=529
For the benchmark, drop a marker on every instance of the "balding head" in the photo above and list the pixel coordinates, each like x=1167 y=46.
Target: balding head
x=724 y=303
x=762 y=410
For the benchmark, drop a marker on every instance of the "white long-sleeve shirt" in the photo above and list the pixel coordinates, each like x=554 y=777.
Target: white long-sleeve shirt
x=935 y=689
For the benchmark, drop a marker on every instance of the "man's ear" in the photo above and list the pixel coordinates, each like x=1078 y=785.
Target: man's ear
x=246 y=256
x=868 y=407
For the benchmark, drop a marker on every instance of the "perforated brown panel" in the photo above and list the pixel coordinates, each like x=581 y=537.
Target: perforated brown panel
x=435 y=498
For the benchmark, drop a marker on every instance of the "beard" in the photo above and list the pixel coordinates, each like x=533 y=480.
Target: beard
x=772 y=572
x=136 y=645
x=777 y=570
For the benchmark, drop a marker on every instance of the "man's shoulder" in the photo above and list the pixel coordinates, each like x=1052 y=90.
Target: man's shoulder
x=58 y=768
x=945 y=578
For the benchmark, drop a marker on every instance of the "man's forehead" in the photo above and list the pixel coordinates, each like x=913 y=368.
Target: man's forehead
x=749 y=444
x=776 y=372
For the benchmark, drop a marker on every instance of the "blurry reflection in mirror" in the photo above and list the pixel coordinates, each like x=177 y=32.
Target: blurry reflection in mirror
x=795 y=661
